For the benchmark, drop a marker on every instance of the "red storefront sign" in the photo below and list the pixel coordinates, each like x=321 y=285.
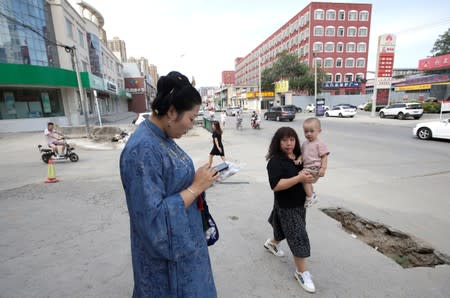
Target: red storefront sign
x=438 y=62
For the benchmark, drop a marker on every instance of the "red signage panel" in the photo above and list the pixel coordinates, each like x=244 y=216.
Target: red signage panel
x=438 y=62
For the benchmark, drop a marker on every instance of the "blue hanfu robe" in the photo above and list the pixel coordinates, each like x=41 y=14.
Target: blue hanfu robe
x=169 y=252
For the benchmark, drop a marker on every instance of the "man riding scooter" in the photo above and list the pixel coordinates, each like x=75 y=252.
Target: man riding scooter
x=54 y=138
x=254 y=120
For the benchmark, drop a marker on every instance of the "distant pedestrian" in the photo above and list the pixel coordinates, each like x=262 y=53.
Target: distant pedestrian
x=314 y=157
x=223 y=118
x=288 y=216
x=217 y=143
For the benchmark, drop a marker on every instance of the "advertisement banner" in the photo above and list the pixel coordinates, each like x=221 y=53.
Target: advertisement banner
x=282 y=86
x=10 y=103
x=45 y=99
x=135 y=85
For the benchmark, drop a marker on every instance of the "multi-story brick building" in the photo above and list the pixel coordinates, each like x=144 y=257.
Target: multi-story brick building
x=335 y=34
x=228 y=77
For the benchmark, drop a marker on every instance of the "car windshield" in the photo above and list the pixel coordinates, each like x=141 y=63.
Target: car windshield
x=288 y=108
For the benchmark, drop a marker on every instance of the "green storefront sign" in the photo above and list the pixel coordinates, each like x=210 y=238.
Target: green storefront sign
x=33 y=75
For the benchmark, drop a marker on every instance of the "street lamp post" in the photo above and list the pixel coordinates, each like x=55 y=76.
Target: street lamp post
x=315 y=77
x=258 y=106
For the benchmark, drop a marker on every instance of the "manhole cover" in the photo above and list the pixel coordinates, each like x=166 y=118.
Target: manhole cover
x=402 y=248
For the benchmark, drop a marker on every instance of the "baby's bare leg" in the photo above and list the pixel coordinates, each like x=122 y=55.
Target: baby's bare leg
x=308 y=187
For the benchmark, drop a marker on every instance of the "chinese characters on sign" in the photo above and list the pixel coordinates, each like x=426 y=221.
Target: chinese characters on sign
x=437 y=62
x=341 y=84
x=385 y=60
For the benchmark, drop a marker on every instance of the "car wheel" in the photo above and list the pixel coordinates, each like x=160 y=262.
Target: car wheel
x=278 y=118
x=266 y=118
x=401 y=116
x=417 y=117
x=299 y=110
x=424 y=133
x=291 y=120
x=382 y=115
x=340 y=115
x=327 y=115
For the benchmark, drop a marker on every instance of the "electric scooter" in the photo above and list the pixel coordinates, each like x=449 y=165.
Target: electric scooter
x=48 y=153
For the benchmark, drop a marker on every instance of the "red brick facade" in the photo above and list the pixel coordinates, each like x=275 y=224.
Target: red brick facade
x=325 y=27
x=228 y=77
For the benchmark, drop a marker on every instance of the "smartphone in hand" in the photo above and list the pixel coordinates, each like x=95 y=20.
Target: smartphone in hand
x=221 y=167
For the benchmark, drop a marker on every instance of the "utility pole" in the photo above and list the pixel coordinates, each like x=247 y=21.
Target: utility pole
x=73 y=53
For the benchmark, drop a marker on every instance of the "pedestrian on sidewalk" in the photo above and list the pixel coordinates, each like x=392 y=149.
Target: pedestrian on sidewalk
x=217 y=143
x=168 y=246
x=288 y=216
x=223 y=118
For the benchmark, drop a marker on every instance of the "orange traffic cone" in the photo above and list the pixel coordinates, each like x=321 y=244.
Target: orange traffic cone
x=51 y=177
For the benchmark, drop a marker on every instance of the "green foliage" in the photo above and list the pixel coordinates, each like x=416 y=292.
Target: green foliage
x=298 y=74
x=368 y=107
x=442 y=44
x=431 y=107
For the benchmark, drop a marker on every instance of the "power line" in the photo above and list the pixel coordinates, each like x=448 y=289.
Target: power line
x=443 y=21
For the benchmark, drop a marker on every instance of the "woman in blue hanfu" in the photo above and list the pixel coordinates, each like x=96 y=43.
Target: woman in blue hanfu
x=168 y=246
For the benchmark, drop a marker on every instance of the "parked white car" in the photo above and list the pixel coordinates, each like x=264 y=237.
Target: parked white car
x=363 y=105
x=402 y=110
x=310 y=108
x=141 y=117
x=233 y=111
x=341 y=111
x=433 y=129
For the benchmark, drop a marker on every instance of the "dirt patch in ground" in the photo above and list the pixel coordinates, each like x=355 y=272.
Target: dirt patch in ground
x=404 y=249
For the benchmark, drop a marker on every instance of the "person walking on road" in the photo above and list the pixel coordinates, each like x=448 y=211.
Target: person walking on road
x=288 y=216
x=168 y=246
x=223 y=118
x=217 y=143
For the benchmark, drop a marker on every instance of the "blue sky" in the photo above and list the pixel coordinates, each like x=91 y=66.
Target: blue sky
x=201 y=38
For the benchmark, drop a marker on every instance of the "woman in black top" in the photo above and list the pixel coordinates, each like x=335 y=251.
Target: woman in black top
x=288 y=217
x=217 y=143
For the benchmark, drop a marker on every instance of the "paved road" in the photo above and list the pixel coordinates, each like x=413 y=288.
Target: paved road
x=71 y=239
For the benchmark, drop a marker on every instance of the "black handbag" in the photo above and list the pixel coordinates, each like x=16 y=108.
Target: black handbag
x=209 y=225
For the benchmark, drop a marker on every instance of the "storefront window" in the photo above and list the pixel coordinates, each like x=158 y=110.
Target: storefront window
x=30 y=103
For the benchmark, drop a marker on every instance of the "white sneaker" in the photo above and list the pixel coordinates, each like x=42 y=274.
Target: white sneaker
x=273 y=248
x=305 y=280
x=311 y=200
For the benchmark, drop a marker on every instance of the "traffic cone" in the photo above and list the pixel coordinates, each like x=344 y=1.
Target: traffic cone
x=51 y=177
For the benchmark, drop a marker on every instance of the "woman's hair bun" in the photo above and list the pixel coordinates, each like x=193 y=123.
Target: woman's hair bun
x=174 y=89
x=173 y=80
